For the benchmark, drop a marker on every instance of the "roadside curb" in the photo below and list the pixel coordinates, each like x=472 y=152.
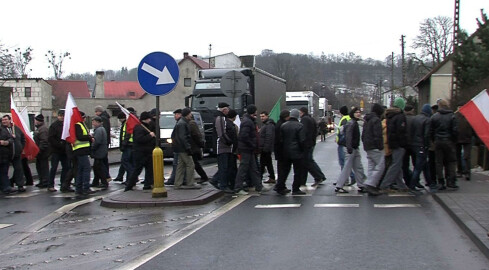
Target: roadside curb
x=140 y=199
x=469 y=225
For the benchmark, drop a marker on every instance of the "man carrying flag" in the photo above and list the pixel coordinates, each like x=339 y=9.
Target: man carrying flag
x=128 y=121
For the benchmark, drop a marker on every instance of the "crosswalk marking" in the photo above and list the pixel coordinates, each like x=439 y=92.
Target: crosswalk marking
x=2 y=226
x=348 y=195
x=22 y=195
x=400 y=195
x=339 y=205
x=284 y=205
x=396 y=205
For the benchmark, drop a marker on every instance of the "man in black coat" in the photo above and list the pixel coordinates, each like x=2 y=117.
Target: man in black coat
x=267 y=137
x=41 y=138
x=292 y=139
x=57 y=147
x=444 y=132
x=143 y=145
x=464 y=144
x=373 y=144
x=18 y=147
x=247 y=147
x=6 y=153
x=311 y=131
x=99 y=111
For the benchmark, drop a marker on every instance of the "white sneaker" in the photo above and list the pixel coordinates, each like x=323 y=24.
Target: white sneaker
x=241 y=192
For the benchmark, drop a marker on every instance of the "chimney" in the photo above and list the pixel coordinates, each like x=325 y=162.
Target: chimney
x=185 y=55
x=99 y=85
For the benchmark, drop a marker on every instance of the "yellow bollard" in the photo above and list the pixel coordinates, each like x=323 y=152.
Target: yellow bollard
x=159 y=189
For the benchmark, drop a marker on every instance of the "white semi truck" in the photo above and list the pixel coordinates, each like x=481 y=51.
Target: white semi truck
x=308 y=99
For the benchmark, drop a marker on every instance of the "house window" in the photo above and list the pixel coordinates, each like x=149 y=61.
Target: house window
x=5 y=99
x=187 y=82
x=28 y=92
x=132 y=94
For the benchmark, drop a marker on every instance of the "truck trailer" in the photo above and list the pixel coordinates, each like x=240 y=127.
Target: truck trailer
x=308 y=99
x=238 y=87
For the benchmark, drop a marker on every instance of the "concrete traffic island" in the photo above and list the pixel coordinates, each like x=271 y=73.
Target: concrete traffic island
x=142 y=198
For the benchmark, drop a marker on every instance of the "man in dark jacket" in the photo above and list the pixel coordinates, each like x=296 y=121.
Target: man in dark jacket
x=100 y=112
x=373 y=144
x=410 y=155
x=353 y=158
x=266 y=141
x=6 y=153
x=443 y=131
x=181 y=142
x=196 y=144
x=143 y=145
x=311 y=131
x=57 y=147
x=464 y=144
x=247 y=146
x=99 y=151
x=396 y=139
x=420 y=141
x=292 y=140
x=41 y=138
x=18 y=146
x=278 y=147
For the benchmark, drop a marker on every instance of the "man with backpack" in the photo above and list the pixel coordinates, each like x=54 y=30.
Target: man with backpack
x=341 y=140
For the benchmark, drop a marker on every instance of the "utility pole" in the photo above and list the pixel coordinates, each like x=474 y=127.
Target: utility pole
x=403 y=61
x=392 y=78
x=210 y=50
x=456 y=24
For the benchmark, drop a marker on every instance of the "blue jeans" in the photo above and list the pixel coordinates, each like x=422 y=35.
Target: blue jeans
x=82 y=179
x=421 y=165
x=55 y=159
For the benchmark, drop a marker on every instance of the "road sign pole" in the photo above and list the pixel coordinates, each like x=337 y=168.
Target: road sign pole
x=159 y=189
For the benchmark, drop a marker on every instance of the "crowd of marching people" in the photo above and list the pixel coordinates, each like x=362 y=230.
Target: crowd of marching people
x=399 y=145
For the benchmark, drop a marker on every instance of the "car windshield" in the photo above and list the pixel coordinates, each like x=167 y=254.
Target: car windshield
x=167 y=121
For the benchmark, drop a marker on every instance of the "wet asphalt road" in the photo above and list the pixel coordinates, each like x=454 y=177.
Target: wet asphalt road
x=317 y=231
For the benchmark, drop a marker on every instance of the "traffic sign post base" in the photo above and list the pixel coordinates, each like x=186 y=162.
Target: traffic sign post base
x=159 y=190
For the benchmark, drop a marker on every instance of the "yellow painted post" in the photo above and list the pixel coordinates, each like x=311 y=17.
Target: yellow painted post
x=159 y=189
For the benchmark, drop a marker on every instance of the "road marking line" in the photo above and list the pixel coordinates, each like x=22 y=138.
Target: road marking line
x=285 y=205
x=2 y=226
x=336 y=205
x=25 y=195
x=185 y=232
x=400 y=195
x=396 y=205
x=348 y=195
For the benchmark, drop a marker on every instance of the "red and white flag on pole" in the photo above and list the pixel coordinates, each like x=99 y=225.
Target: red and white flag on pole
x=30 y=149
x=131 y=119
x=476 y=111
x=72 y=116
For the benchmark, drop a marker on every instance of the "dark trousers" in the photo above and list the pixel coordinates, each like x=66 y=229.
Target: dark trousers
x=226 y=171
x=266 y=162
x=198 y=168
x=127 y=161
x=284 y=170
x=18 y=176
x=42 y=167
x=432 y=165
x=463 y=158
x=421 y=166
x=56 y=158
x=100 y=170
x=446 y=158
x=121 y=172
x=103 y=177
x=4 y=182
x=142 y=161
x=171 y=180
x=27 y=172
x=311 y=167
x=248 y=170
x=82 y=179
x=409 y=158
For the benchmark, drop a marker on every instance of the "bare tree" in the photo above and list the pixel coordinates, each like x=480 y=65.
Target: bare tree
x=7 y=66
x=56 y=62
x=22 y=60
x=434 y=40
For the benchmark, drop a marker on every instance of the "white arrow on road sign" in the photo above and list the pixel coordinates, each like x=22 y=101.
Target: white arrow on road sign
x=164 y=76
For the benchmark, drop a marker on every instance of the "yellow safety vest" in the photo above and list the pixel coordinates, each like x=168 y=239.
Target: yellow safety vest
x=124 y=133
x=347 y=118
x=81 y=144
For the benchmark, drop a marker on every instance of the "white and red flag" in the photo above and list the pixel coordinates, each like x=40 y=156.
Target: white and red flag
x=131 y=119
x=30 y=149
x=476 y=111
x=72 y=116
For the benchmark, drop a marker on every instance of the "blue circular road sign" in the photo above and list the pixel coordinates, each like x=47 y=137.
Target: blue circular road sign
x=158 y=73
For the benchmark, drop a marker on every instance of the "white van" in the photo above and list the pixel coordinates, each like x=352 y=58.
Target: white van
x=167 y=123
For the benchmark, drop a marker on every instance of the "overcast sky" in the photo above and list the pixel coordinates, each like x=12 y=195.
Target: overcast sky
x=103 y=34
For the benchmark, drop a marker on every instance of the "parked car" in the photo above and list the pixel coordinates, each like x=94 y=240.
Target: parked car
x=167 y=123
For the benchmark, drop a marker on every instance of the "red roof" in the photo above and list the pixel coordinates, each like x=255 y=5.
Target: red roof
x=78 y=89
x=197 y=61
x=123 y=90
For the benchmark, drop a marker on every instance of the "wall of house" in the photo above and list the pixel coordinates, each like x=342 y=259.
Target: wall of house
x=441 y=83
x=41 y=95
